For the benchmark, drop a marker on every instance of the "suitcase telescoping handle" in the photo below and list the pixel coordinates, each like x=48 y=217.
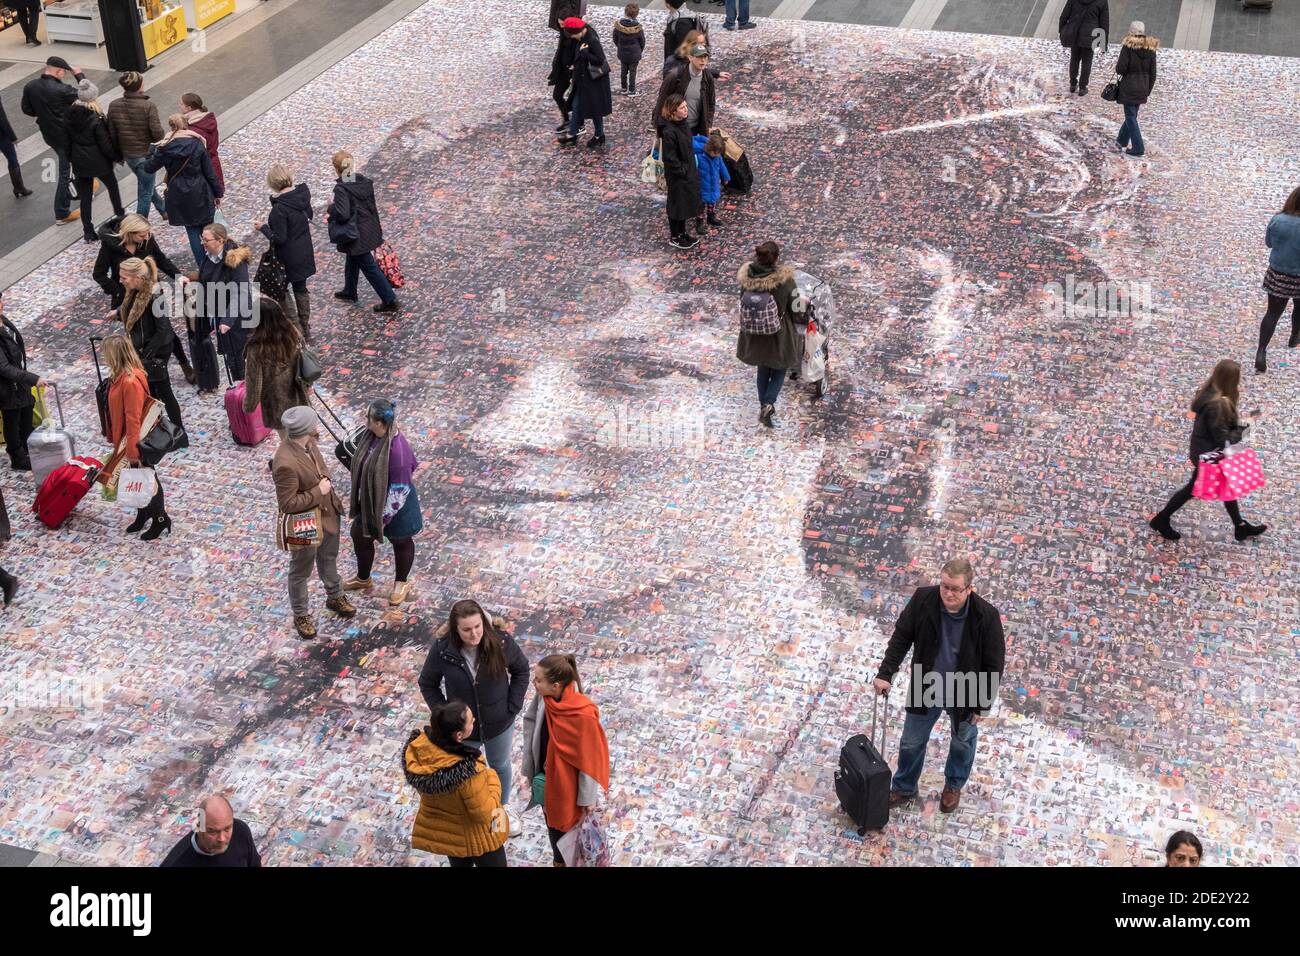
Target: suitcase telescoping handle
x=325 y=405
x=875 y=705
x=58 y=402
x=94 y=353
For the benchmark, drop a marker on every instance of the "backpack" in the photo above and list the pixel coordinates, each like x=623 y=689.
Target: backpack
x=758 y=313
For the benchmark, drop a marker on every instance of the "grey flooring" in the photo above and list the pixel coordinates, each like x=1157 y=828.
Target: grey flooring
x=880 y=13
x=1273 y=33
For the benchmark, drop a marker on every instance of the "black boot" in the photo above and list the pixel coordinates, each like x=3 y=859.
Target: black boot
x=1160 y=524
x=713 y=219
x=1247 y=530
x=302 y=301
x=16 y=177
x=1261 y=364
x=161 y=525
x=9 y=584
x=142 y=516
x=1294 y=340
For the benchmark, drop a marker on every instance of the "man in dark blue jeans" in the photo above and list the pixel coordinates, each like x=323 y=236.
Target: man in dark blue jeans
x=47 y=98
x=957 y=655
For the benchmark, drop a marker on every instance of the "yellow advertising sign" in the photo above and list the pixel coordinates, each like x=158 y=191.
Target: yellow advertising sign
x=208 y=12
x=166 y=31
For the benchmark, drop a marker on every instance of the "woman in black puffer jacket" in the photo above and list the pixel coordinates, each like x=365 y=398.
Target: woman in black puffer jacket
x=475 y=661
x=1217 y=424
x=1136 y=67
x=92 y=154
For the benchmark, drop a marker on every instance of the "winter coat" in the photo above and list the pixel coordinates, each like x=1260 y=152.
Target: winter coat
x=289 y=228
x=1283 y=237
x=919 y=629
x=458 y=796
x=192 y=186
x=112 y=254
x=90 y=147
x=205 y=124
x=677 y=80
x=297 y=472
x=496 y=702
x=771 y=351
x=593 y=96
x=1136 y=67
x=49 y=99
x=356 y=200
x=128 y=396
x=1080 y=19
x=561 y=10
x=7 y=134
x=230 y=276
x=152 y=336
x=713 y=171
x=580 y=788
x=629 y=40
x=561 y=74
x=16 y=383
x=134 y=125
x=274 y=387
x=1216 y=425
x=683 y=177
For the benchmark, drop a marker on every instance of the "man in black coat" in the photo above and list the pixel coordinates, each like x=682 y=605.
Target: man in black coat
x=1084 y=27
x=16 y=399
x=47 y=98
x=29 y=18
x=694 y=82
x=218 y=839
x=958 y=651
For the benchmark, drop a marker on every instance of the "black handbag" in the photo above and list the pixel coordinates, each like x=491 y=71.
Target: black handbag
x=343 y=233
x=271 y=278
x=309 y=367
x=163 y=438
x=1110 y=92
x=594 y=71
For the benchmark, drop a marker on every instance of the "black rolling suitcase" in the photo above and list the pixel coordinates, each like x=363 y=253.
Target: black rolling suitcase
x=204 y=351
x=101 y=390
x=863 y=779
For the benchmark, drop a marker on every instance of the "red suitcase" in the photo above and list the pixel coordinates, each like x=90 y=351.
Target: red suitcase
x=246 y=427
x=63 y=490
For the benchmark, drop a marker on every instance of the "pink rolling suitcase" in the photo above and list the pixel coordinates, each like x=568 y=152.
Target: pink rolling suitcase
x=246 y=427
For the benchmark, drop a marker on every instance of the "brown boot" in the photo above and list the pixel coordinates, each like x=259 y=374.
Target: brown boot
x=303 y=301
x=897 y=799
x=306 y=627
x=341 y=606
x=949 y=799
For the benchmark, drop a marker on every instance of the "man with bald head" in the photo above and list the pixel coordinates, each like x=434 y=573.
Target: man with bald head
x=218 y=839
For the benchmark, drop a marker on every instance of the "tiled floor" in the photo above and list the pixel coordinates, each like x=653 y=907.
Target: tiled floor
x=1276 y=32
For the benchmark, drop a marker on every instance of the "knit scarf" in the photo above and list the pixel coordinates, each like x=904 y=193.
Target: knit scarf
x=578 y=744
x=370 y=482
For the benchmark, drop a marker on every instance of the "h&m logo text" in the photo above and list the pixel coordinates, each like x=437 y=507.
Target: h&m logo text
x=103 y=909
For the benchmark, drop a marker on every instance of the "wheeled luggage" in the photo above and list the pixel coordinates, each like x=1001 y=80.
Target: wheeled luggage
x=346 y=447
x=863 y=779
x=63 y=490
x=101 y=390
x=204 y=351
x=49 y=447
x=247 y=428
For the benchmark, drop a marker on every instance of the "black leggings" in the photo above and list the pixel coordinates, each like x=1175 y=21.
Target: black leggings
x=1184 y=495
x=1276 y=306
x=162 y=390
x=676 y=227
x=156 y=507
x=403 y=555
x=496 y=858
x=561 y=100
x=86 y=192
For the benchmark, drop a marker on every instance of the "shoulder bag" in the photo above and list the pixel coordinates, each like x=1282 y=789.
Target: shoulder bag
x=309 y=367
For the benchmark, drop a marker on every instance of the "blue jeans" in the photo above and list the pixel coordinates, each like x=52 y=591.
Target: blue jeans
x=498 y=758
x=576 y=124
x=365 y=263
x=730 y=15
x=770 y=381
x=911 y=751
x=63 y=191
x=195 y=234
x=145 y=194
x=1129 y=131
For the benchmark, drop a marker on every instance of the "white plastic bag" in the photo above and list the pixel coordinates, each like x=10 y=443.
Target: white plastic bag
x=136 y=487
x=813 y=366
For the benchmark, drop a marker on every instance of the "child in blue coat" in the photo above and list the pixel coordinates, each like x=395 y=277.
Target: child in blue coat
x=713 y=173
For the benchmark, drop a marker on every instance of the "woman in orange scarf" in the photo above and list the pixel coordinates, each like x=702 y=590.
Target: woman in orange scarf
x=567 y=757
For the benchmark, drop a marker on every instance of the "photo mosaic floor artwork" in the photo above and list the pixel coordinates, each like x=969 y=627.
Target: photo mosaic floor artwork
x=594 y=469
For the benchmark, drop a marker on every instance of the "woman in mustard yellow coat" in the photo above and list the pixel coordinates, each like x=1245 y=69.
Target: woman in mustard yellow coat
x=460 y=795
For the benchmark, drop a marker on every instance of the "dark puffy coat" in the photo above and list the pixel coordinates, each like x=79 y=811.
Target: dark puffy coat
x=677 y=80
x=983 y=646
x=192 y=186
x=561 y=74
x=90 y=147
x=7 y=134
x=134 y=125
x=561 y=10
x=289 y=228
x=1080 y=18
x=152 y=337
x=356 y=200
x=1216 y=425
x=205 y=124
x=235 y=301
x=112 y=254
x=1136 y=67
x=15 y=381
x=593 y=96
x=629 y=40
x=681 y=172
x=496 y=702
x=772 y=351
x=49 y=100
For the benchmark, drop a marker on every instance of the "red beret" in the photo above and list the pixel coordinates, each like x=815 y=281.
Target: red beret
x=573 y=23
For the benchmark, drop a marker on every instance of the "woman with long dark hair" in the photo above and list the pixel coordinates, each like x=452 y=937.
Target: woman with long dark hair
x=384 y=501
x=1217 y=424
x=566 y=755
x=476 y=661
x=1282 y=279
x=271 y=366
x=460 y=796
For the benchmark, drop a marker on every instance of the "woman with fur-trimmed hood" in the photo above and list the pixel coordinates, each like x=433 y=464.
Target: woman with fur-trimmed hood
x=460 y=796
x=773 y=355
x=1136 y=67
x=225 y=297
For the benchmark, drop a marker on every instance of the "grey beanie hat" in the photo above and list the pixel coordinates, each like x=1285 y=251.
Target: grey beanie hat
x=87 y=91
x=1137 y=28
x=300 y=420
